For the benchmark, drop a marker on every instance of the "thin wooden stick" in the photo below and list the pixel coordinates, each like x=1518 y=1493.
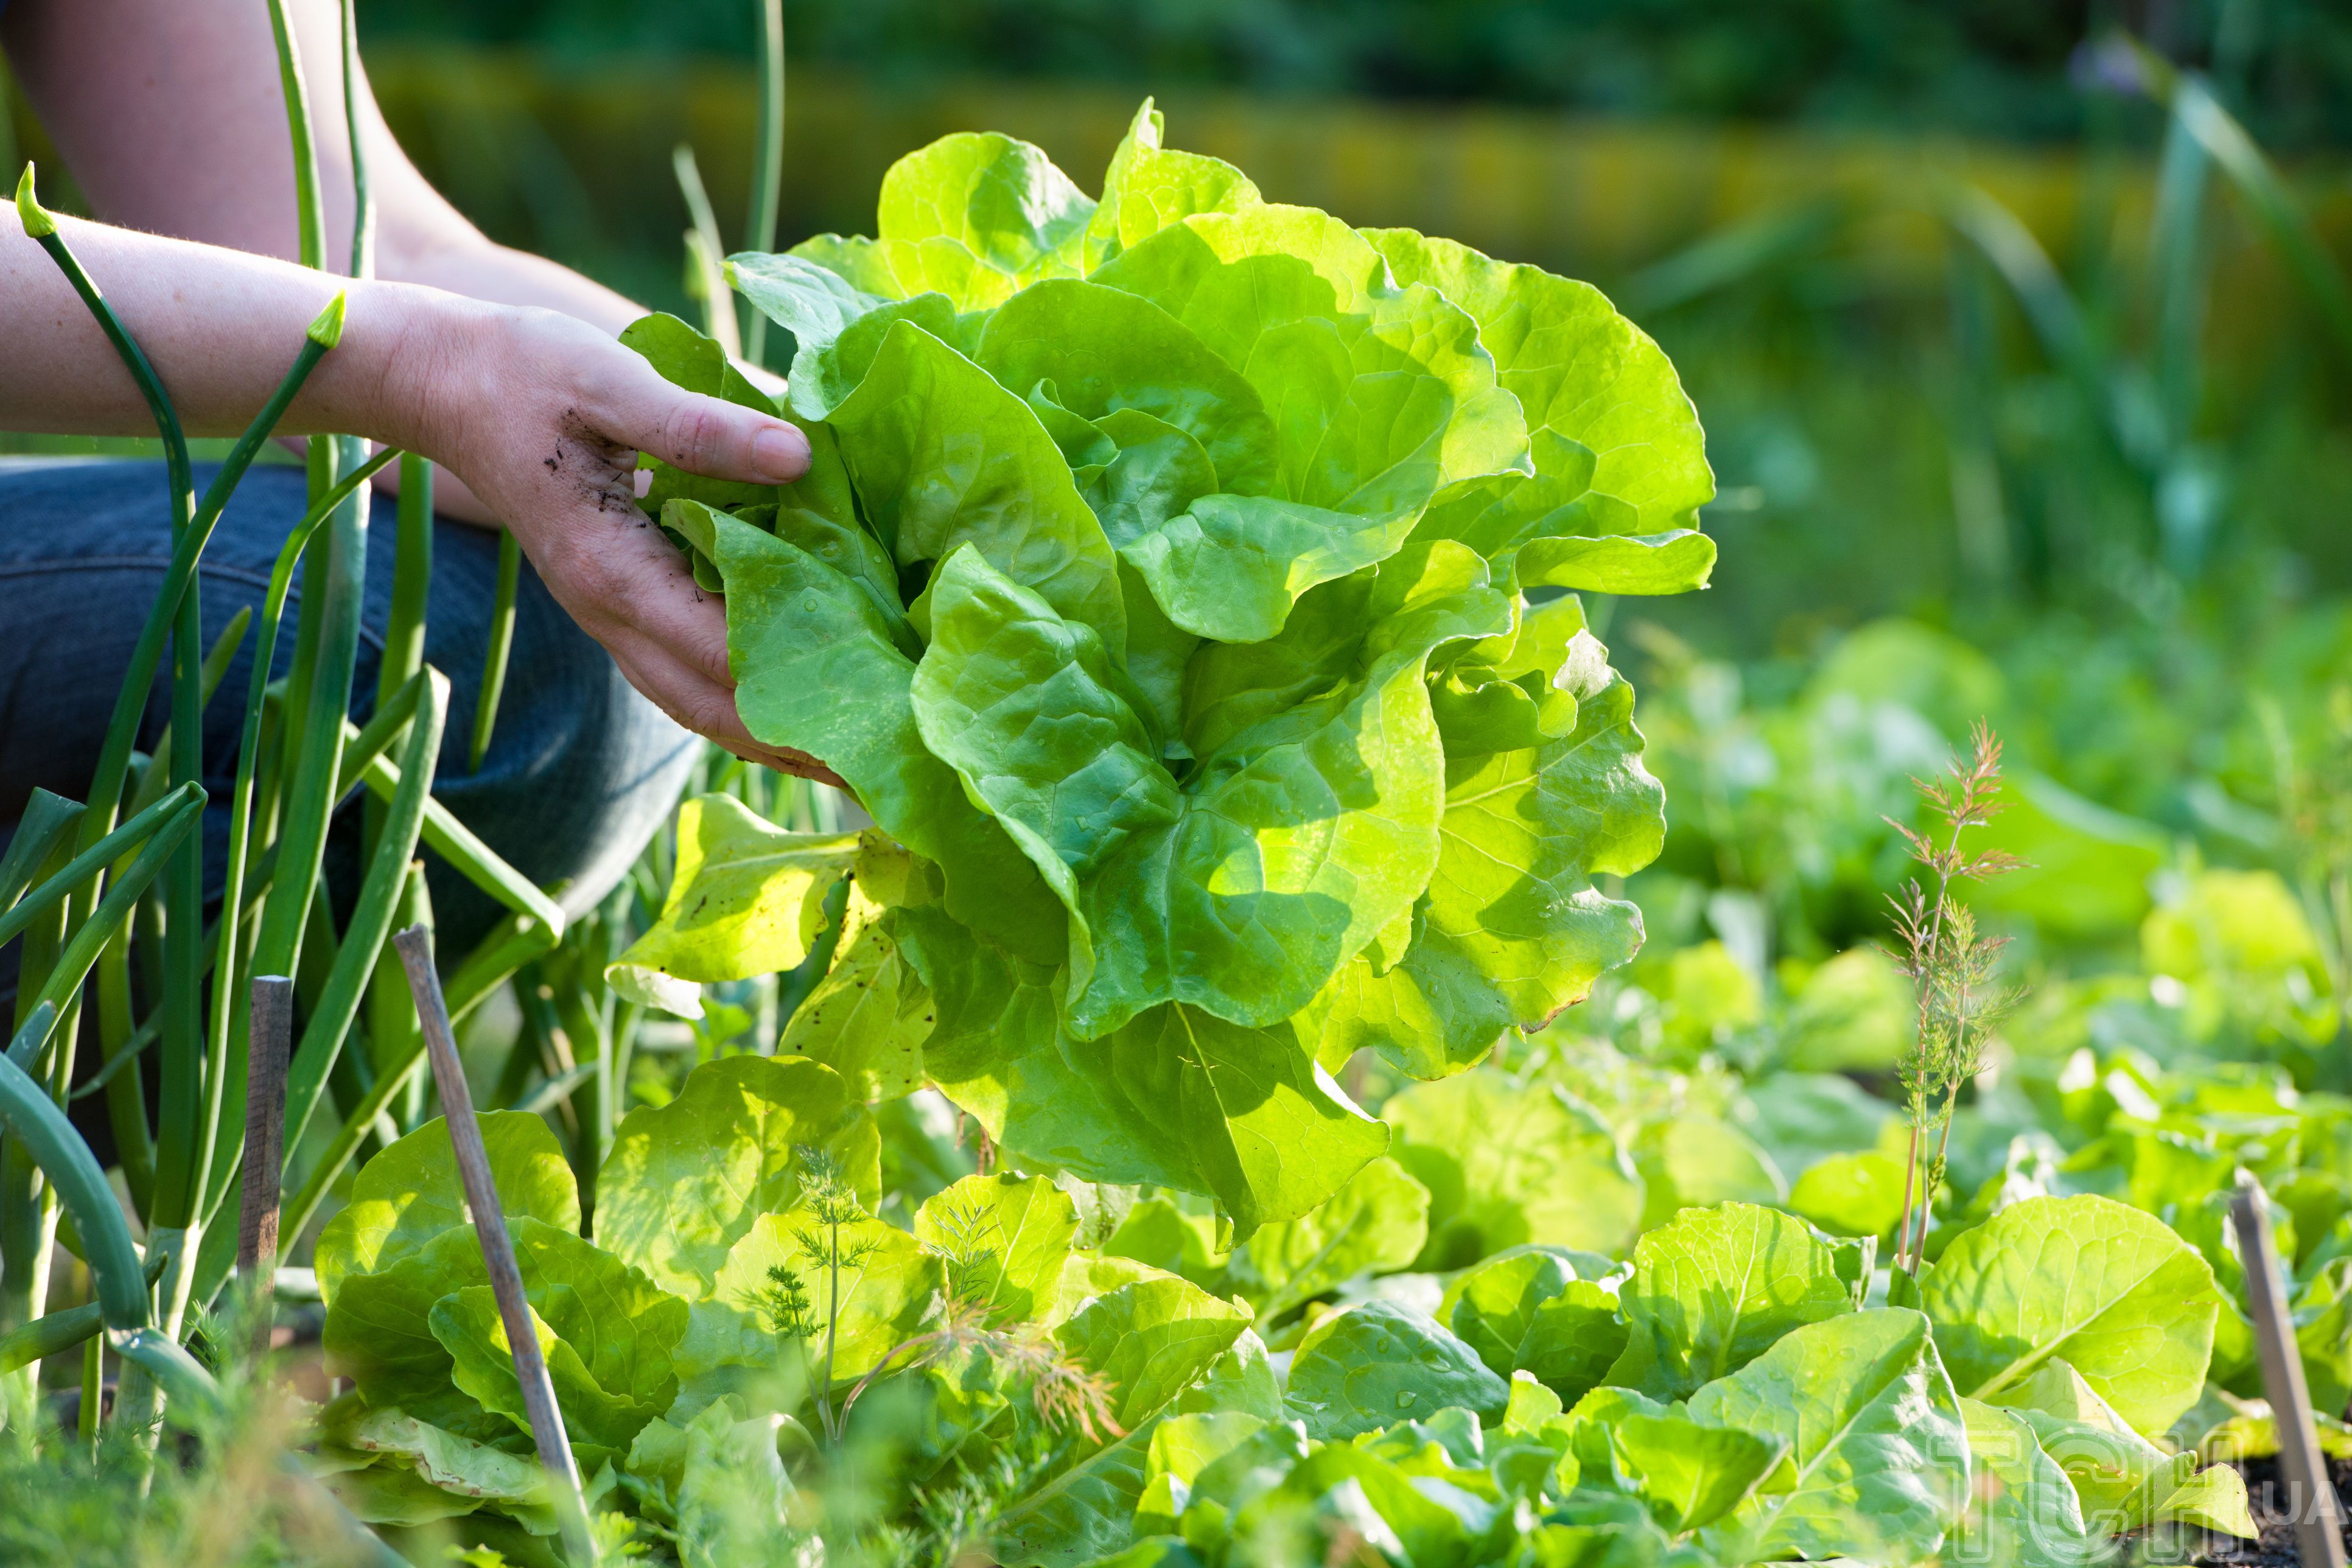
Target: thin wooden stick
x=265 y=1143
x=415 y=945
x=2309 y=1496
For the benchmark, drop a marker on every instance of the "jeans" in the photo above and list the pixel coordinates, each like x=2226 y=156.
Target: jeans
x=580 y=773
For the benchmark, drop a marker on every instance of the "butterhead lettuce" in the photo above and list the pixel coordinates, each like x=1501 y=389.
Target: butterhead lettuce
x=1181 y=586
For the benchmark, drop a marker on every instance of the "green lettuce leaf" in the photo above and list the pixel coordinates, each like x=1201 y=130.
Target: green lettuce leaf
x=1085 y=1513
x=379 y=1333
x=820 y=669
x=867 y=1018
x=1579 y=369
x=808 y=299
x=1006 y=1239
x=824 y=372
x=1150 y=1339
x=1878 y=1455
x=2117 y=1475
x=1716 y=1288
x=1506 y=1164
x=995 y=1051
x=1690 y=1475
x=1105 y=351
x=1149 y=186
x=1241 y=1381
x=1380 y=1363
x=455 y=1464
x=943 y=455
x=410 y=1194
x=744 y=899
x=398 y=1494
x=2021 y=1509
x=1381 y=396
x=2110 y=1291
x=876 y=1303
x=608 y=1333
x=1268 y=1131
x=1526 y=831
x=1029 y=711
x=1349 y=1494
x=1527 y=1309
x=1375 y=1224
x=978 y=217
x=684 y=1181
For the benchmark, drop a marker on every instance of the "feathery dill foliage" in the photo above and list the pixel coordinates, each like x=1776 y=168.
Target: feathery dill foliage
x=834 y=1237
x=1953 y=967
x=106 y=1502
x=1066 y=1394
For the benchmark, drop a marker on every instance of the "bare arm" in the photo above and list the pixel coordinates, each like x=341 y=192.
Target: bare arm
x=170 y=113
x=542 y=415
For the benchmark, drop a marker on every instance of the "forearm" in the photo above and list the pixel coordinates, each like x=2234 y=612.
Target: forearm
x=220 y=327
x=169 y=113
x=470 y=265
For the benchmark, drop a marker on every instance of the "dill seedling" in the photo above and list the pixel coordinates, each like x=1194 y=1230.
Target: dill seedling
x=829 y=1237
x=1066 y=1394
x=1952 y=967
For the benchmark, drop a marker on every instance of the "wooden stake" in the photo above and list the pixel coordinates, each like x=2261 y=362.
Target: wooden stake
x=2303 y=1486
x=265 y=1146
x=415 y=946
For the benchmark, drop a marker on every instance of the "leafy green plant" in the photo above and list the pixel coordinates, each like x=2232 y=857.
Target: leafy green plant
x=1177 y=584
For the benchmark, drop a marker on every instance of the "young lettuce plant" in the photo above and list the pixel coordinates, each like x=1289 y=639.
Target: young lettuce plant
x=737 y=1283
x=1179 y=584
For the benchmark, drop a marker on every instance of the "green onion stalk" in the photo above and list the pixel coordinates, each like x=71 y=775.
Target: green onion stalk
x=52 y=976
x=175 y=616
x=31 y=1226
x=318 y=696
x=420 y=708
x=390 y=1014
x=767 y=180
x=191 y=1075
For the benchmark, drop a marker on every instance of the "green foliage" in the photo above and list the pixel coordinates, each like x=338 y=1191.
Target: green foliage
x=1158 y=588
x=741 y=897
x=1872 y=1427
x=1375 y=1364
x=1505 y=1166
x=1162 y=584
x=2109 y=1290
x=1716 y=1288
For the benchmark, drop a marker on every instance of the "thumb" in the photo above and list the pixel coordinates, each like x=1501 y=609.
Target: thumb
x=708 y=435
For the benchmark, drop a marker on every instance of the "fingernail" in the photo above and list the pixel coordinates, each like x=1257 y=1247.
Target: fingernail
x=780 y=453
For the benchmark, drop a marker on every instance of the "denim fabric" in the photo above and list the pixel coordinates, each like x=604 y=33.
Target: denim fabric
x=581 y=771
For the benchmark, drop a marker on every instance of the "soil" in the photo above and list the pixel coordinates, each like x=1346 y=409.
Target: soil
x=2276 y=1549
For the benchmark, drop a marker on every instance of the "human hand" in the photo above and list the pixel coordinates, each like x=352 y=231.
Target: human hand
x=541 y=417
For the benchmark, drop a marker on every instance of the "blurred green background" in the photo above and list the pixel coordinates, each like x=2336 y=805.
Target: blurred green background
x=2023 y=405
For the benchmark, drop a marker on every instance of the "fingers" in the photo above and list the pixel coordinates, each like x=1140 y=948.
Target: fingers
x=701 y=705
x=557 y=462
x=707 y=434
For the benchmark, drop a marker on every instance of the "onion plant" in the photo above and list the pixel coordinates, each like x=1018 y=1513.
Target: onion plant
x=112 y=888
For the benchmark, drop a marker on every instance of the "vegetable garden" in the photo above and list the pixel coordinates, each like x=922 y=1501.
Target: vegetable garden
x=1210 y=1104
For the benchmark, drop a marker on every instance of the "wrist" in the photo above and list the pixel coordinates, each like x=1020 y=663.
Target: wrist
x=404 y=374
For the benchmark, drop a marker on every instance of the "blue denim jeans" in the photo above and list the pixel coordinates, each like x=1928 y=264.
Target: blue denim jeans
x=580 y=771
